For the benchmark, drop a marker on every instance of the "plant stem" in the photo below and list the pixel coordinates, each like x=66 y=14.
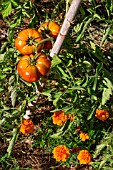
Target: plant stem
x=42 y=41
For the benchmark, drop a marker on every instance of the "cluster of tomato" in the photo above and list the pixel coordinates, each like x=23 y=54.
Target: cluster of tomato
x=34 y=63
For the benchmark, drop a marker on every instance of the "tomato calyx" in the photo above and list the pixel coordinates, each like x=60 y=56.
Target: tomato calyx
x=46 y=32
x=31 y=41
x=33 y=60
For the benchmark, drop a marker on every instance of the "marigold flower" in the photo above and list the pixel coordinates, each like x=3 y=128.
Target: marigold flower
x=61 y=153
x=102 y=114
x=27 y=127
x=84 y=157
x=59 y=118
x=83 y=136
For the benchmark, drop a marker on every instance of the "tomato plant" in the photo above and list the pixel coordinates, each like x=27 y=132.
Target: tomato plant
x=26 y=41
x=31 y=67
x=49 y=28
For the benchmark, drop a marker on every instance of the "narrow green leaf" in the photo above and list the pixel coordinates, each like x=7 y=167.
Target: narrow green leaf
x=84 y=26
x=12 y=142
x=47 y=92
x=13 y=95
x=109 y=7
x=92 y=111
x=65 y=76
x=57 y=97
x=14 y=3
x=98 y=69
x=106 y=34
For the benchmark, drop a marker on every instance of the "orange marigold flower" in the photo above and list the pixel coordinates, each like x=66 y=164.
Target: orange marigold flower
x=83 y=136
x=59 y=118
x=27 y=127
x=61 y=153
x=102 y=114
x=84 y=157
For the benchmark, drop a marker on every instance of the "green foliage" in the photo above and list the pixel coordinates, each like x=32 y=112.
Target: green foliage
x=79 y=82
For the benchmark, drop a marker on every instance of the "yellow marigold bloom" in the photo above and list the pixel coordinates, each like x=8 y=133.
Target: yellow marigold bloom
x=102 y=114
x=61 y=153
x=59 y=118
x=84 y=157
x=83 y=136
x=27 y=127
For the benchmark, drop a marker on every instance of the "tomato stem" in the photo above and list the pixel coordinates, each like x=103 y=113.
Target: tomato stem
x=46 y=39
x=42 y=41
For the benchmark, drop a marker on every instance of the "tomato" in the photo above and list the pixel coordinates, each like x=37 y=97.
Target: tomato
x=31 y=67
x=47 y=45
x=43 y=63
x=54 y=29
x=26 y=41
x=50 y=28
x=27 y=70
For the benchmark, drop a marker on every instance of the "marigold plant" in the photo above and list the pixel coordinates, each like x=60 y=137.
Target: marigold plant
x=61 y=153
x=27 y=127
x=102 y=114
x=84 y=157
x=59 y=118
x=83 y=136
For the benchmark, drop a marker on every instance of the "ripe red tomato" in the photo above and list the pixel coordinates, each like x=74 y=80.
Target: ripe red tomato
x=43 y=63
x=48 y=45
x=50 y=28
x=26 y=41
x=31 y=67
x=54 y=29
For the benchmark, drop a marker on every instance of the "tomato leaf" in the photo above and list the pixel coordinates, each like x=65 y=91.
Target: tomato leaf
x=55 y=61
x=107 y=90
x=7 y=9
x=13 y=91
x=16 y=22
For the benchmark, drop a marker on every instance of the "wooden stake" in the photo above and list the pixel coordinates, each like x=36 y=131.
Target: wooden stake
x=65 y=27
